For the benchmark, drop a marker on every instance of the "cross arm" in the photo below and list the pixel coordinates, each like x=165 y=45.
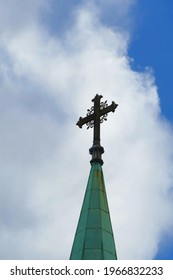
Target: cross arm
x=84 y=120
x=108 y=109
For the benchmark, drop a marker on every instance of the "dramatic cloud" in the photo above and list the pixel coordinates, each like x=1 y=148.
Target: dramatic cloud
x=46 y=82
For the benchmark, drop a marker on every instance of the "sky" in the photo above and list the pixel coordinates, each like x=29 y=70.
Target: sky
x=54 y=57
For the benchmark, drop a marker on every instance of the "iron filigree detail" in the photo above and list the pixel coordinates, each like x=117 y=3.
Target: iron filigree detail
x=103 y=118
x=91 y=123
x=103 y=105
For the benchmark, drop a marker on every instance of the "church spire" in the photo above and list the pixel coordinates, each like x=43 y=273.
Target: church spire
x=94 y=238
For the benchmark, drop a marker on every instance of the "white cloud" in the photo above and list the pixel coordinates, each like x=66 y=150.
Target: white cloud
x=16 y=15
x=46 y=84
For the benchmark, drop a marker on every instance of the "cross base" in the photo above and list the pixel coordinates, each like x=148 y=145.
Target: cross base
x=96 y=151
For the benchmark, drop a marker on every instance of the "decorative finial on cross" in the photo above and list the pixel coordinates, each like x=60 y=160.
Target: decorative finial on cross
x=96 y=115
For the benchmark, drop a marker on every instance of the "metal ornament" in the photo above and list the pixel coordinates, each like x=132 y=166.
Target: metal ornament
x=95 y=116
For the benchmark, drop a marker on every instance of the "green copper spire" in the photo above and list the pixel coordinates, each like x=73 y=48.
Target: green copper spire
x=94 y=238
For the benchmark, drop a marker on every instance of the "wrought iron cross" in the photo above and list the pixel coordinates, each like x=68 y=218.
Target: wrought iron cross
x=96 y=115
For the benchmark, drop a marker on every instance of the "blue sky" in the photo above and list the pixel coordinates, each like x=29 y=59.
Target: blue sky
x=152 y=45
x=54 y=57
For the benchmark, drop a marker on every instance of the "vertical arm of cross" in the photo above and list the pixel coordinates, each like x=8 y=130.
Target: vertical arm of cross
x=96 y=136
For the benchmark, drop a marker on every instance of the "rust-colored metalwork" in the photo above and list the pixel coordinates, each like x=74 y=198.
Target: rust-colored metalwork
x=95 y=116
